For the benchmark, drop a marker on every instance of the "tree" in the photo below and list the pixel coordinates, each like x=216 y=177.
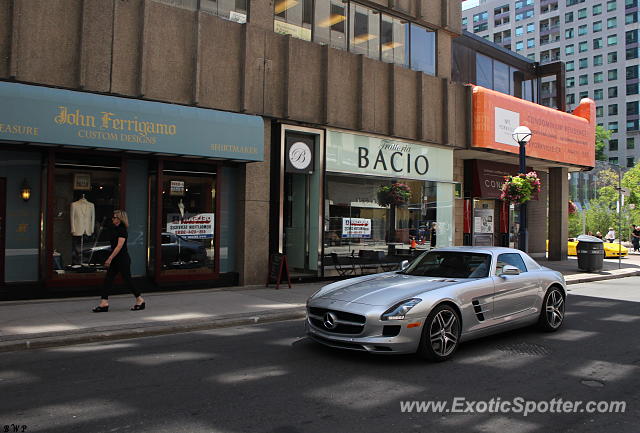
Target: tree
x=602 y=137
x=607 y=177
x=631 y=181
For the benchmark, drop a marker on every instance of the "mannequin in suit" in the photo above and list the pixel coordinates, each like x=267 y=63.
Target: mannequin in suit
x=181 y=208
x=82 y=224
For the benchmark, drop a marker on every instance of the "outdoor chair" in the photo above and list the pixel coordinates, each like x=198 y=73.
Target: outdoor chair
x=343 y=269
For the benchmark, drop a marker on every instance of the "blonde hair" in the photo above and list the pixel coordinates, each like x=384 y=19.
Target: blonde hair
x=122 y=216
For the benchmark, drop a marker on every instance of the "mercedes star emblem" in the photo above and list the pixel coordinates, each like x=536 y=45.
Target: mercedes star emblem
x=330 y=321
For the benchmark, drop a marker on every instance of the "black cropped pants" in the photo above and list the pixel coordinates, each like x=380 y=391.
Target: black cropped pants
x=120 y=265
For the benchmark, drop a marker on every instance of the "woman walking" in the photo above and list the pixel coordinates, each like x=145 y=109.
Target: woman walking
x=119 y=262
x=635 y=238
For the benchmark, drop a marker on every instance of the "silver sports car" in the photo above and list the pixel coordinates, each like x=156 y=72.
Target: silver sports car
x=443 y=297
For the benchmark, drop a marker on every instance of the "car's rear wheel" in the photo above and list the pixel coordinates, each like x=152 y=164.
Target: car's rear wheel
x=441 y=334
x=552 y=313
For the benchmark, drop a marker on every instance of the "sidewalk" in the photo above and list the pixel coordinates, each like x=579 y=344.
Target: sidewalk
x=47 y=323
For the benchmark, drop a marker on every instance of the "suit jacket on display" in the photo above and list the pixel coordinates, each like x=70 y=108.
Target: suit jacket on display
x=82 y=217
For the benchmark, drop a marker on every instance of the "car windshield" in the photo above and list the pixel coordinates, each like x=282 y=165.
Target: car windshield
x=450 y=264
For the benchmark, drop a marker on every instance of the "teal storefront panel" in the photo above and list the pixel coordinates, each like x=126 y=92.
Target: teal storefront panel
x=43 y=115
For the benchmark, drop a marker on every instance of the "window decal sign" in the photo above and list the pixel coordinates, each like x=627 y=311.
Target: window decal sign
x=356 y=228
x=198 y=226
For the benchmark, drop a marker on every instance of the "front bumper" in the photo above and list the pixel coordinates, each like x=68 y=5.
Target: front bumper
x=371 y=339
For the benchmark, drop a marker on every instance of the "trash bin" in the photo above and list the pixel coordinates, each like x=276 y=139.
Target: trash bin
x=590 y=251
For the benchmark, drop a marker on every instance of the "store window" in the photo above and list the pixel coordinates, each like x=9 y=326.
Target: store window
x=293 y=18
x=188 y=215
x=364 y=29
x=87 y=191
x=330 y=24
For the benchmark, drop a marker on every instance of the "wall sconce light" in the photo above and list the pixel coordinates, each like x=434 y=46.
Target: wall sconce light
x=25 y=191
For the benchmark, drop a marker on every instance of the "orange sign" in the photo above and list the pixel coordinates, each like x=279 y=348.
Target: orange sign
x=556 y=136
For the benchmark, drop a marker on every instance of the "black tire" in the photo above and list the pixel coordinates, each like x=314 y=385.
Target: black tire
x=436 y=345
x=552 y=311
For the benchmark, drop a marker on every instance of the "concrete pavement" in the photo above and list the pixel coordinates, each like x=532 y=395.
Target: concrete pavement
x=56 y=322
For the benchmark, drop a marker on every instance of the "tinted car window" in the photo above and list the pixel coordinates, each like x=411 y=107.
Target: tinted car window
x=450 y=264
x=512 y=259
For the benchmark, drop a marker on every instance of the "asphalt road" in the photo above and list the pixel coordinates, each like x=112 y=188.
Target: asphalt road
x=269 y=378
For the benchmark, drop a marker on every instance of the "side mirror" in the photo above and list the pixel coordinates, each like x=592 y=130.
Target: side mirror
x=509 y=270
x=404 y=265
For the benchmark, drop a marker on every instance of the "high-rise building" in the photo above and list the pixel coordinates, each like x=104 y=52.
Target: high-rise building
x=599 y=42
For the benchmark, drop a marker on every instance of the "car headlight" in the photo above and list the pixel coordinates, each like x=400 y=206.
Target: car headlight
x=398 y=311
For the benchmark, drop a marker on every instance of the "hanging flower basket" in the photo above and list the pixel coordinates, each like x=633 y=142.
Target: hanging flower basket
x=572 y=208
x=520 y=188
x=395 y=194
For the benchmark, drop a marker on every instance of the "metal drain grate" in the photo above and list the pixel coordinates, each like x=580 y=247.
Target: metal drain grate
x=525 y=349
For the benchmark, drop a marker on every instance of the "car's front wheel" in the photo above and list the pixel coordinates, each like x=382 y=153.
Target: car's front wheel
x=552 y=314
x=441 y=334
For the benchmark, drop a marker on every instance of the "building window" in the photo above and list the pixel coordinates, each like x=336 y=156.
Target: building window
x=632 y=72
x=465 y=20
x=582 y=30
x=597 y=60
x=480 y=27
x=571 y=82
x=583 y=80
x=631 y=18
x=630 y=162
x=613 y=92
x=484 y=71
x=597 y=9
x=568 y=34
x=394 y=42
x=583 y=63
x=630 y=4
x=531 y=43
x=531 y=28
x=582 y=13
x=612 y=74
x=583 y=94
x=330 y=24
x=612 y=109
x=612 y=23
x=632 y=53
x=364 y=29
x=597 y=43
x=632 y=108
x=631 y=143
x=531 y=56
x=568 y=17
x=613 y=160
x=613 y=145
x=632 y=89
x=232 y=10
x=571 y=98
x=598 y=77
x=583 y=47
x=611 y=5
x=599 y=111
x=612 y=40
x=612 y=58
x=423 y=49
x=597 y=26
x=519 y=31
x=613 y=127
x=293 y=18
x=570 y=66
x=519 y=46
x=569 y=49
x=631 y=37
x=598 y=94
x=633 y=125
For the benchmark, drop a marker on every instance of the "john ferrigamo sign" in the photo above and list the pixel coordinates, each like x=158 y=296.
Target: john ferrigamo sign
x=360 y=154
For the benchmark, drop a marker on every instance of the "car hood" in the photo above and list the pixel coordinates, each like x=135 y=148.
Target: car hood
x=383 y=289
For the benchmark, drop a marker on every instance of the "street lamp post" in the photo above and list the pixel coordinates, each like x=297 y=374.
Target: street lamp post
x=522 y=135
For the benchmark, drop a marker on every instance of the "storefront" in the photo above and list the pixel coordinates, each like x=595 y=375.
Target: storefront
x=488 y=220
x=174 y=170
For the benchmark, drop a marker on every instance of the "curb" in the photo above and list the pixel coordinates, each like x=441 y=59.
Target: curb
x=93 y=335
x=599 y=277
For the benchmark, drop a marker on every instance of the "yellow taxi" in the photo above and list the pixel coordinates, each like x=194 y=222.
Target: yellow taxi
x=611 y=250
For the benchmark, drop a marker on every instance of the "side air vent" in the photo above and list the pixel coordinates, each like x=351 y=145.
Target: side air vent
x=478 y=310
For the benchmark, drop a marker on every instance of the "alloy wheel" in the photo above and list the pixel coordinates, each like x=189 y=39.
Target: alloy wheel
x=443 y=333
x=554 y=309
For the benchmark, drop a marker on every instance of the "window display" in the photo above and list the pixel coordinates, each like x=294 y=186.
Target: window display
x=188 y=222
x=85 y=197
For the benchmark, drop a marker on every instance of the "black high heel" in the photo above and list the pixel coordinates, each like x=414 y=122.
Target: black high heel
x=138 y=307
x=100 y=309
